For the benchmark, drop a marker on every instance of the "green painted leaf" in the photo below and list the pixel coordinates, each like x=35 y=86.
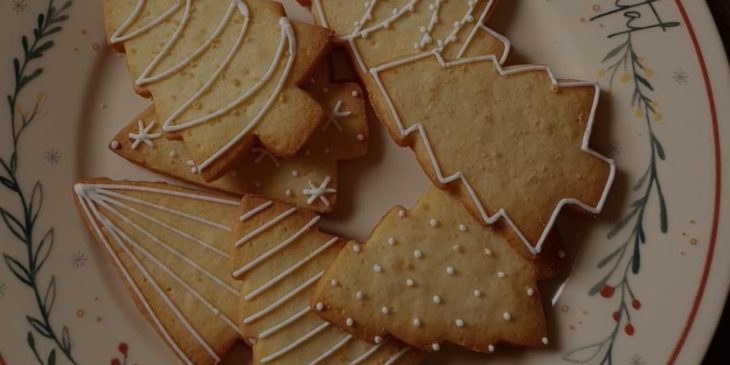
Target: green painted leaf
x=636 y=260
x=610 y=257
x=26 y=79
x=66 y=5
x=16 y=69
x=52 y=358
x=644 y=81
x=38 y=52
x=663 y=218
x=36 y=201
x=8 y=184
x=642 y=180
x=20 y=271
x=43 y=251
x=599 y=285
x=65 y=339
x=585 y=354
x=659 y=148
x=621 y=224
x=50 y=298
x=612 y=53
x=24 y=41
x=31 y=340
x=41 y=20
x=39 y=326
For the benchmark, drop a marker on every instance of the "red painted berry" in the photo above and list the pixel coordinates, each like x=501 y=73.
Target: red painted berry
x=607 y=291
x=636 y=304
x=116 y=362
x=123 y=348
x=616 y=316
x=629 y=329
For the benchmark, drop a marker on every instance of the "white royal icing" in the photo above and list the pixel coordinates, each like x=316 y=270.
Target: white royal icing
x=143 y=135
x=319 y=192
x=359 y=31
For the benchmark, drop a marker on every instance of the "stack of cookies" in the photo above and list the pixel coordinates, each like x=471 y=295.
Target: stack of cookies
x=243 y=107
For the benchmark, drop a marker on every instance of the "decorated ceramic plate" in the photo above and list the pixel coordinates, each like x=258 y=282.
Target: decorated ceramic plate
x=648 y=278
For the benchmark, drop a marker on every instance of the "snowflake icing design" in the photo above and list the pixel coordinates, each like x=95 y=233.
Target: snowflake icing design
x=319 y=192
x=53 y=157
x=19 y=6
x=264 y=154
x=78 y=259
x=680 y=76
x=636 y=359
x=334 y=114
x=143 y=135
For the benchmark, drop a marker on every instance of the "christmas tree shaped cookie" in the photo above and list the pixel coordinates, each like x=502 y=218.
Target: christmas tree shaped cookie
x=170 y=246
x=431 y=275
x=223 y=74
x=308 y=180
x=280 y=254
x=511 y=142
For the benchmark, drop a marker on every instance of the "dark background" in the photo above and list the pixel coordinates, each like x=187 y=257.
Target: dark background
x=717 y=355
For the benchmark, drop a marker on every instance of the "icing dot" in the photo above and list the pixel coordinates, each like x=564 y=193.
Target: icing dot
x=334 y=282
x=477 y=293
x=401 y=213
x=500 y=274
x=450 y=270
x=417 y=254
x=295 y=173
x=456 y=247
x=459 y=323
x=288 y=192
x=436 y=347
x=378 y=339
x=384 y=310
x=360 y=137
x=194 y=169
x=561 y=254
x=377 y=268
x=462 y=227
x=410 y=282
x=506 y=316
x=423 y=29
x=325 y=90
x=359 y=295
x=416 y=322
x=395 y=11
x=356 y=248
x=391 y=241
x=190 y=163
x=488 y=252
x=319 y=306
x=115 y=144
x=257 y=184
x=312 y=81
x=433 y=222
x=436 y=299
x=172 y=153
x=545 y=341
x=349 y=322
x=530 y=292
x=355 y=94
x=326 y=151
x=491 y=348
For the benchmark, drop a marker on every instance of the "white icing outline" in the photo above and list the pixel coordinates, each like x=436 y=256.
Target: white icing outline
x=393 y=359
x=156 y=320
x=340 y=344
x=334 y=114
x=503 y=71
x=255 y=211
x=276 y=304
x=251 y=235
x=273 y=251
x=368 y=353
x=285 y=323
x=279 y=277
x=283 y=351
x=287 y=37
